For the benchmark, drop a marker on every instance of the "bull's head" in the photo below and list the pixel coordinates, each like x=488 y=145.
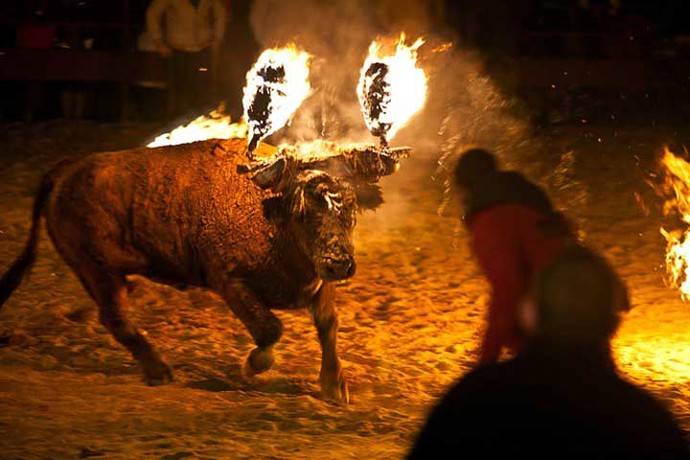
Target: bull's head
x=322 y=206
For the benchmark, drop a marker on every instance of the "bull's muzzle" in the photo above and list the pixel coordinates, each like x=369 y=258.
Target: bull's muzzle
x=338 y=269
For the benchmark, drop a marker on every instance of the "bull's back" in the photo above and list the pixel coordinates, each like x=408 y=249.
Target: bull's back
x=192 y=205
x=173 y=208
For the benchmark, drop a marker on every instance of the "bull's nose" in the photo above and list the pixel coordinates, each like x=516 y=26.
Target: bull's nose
x=349 y=267
x=341 y=268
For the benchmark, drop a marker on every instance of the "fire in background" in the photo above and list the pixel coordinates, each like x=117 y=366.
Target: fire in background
x=677 y=184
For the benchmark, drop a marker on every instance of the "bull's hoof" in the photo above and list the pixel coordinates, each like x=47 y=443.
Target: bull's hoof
x=335 y=389
x=258 y=361
x=157 y=373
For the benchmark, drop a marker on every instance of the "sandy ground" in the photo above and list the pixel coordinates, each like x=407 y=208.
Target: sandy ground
x=410 y=318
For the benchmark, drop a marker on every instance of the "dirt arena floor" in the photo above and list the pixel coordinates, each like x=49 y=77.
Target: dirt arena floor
x=411 y=319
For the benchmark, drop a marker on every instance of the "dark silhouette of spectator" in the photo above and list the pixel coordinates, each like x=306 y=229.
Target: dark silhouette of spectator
x=36 y=33
x=562 y=396
x=194 y=31
x=241 y=51
x=515 y=231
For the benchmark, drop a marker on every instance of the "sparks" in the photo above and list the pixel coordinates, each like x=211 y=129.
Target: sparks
x=391 y=88
x=277 y=85
x=442 y=48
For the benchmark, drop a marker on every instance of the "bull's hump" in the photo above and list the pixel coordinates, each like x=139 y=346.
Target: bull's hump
x=237 y=149
x=224 y=152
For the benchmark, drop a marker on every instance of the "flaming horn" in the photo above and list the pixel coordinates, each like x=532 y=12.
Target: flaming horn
x=277 y=85
x=391 y=88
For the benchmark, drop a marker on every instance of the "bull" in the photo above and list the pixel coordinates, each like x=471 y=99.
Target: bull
x=276 y=234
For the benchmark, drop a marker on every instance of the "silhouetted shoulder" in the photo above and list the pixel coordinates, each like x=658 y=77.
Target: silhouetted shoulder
x=524 y=408
x=452 y=426
x=649 y=424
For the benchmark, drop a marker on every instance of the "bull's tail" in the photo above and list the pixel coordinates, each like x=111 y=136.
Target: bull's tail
x=13 y=277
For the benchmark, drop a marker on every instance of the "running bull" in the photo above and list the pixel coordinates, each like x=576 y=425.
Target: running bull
x=274 y=235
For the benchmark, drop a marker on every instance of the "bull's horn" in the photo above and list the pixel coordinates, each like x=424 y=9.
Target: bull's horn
x=269 y=175
x=365 y=163
x=372 y=163
x=251 y=145
x=400 y=152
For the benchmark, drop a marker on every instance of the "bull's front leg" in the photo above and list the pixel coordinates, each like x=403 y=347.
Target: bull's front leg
x=264 y=327
x=333 y=384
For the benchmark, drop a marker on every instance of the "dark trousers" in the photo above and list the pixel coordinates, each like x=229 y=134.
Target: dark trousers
x=192 y=82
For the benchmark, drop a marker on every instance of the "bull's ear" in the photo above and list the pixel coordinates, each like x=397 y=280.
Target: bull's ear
x=271 y=175
x=369 y=196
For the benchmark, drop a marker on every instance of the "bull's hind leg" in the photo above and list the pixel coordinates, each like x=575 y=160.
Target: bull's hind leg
x=110 y=293
x=333 y=384
x=264 y=327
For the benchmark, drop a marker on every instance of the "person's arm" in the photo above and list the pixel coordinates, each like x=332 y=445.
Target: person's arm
x=154 y=18
x=220 y=17
x=497 y=248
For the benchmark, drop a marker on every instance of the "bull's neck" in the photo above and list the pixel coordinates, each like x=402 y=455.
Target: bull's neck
x=294 y=262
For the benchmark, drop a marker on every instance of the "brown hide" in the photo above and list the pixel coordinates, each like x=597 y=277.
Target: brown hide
x=180 y=214
x=185 y=215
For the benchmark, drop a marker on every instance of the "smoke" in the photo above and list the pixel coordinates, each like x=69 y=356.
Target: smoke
x=463 y=108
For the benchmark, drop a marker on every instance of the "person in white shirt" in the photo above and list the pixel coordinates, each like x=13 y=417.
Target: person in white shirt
x=189 y=32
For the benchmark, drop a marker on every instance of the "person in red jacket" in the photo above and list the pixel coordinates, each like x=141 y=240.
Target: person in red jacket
x=562 y=397
x=515 y=232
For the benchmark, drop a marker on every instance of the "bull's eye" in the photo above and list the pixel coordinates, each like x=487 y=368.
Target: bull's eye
x=350 y=221
x=347 y=219
x=334 y=201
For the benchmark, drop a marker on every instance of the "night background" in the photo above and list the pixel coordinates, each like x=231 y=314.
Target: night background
x=580 y=96
x=630 y=51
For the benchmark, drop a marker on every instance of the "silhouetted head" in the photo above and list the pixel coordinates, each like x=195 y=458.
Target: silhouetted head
x=473 y=165
x=577 y=301
x=322 y=210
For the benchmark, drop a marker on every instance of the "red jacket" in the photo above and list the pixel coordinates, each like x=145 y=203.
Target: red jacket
x=511 y=247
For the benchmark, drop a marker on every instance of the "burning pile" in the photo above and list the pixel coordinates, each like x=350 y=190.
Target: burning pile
x=677 y=184
x=391 y=88
x=276 y=87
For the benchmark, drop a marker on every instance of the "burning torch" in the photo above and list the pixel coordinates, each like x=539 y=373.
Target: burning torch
x=391 y=89
x=277 y=85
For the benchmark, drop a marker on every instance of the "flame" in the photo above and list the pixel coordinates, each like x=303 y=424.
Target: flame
x=215 y=125
x=677 y=182
x=277 y=85
x=391 y=87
